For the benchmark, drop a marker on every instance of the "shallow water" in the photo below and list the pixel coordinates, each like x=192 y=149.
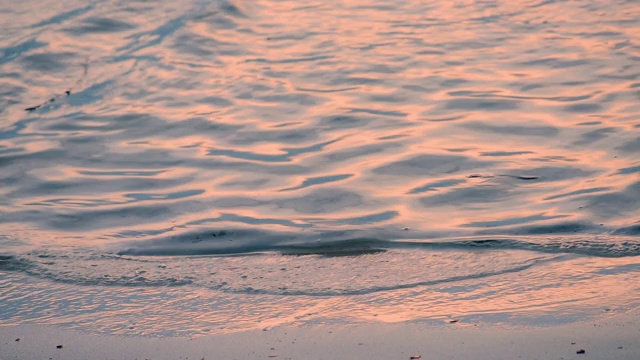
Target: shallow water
x=207 y=166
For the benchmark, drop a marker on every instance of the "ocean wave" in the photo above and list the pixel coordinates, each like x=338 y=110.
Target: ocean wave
x=562 y=238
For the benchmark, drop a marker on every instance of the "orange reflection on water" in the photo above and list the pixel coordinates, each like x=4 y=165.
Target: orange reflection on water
x=149 y=127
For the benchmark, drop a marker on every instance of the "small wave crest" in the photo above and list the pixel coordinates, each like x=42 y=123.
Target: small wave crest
x=353 y=243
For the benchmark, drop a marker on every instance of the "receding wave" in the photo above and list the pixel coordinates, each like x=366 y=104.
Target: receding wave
x=332 y=263
x=275 y=274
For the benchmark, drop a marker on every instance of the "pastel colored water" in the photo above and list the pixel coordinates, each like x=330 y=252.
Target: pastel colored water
x=191 y=167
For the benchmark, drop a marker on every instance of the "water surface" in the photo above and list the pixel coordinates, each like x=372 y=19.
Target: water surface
x=244 y=164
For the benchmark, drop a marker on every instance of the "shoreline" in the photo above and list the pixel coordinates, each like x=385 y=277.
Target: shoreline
x=615 y=337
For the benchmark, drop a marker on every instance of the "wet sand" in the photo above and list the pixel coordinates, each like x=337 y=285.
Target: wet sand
x=613 y=338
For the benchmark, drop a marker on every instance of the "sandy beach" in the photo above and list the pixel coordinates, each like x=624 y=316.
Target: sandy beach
x=615 y=337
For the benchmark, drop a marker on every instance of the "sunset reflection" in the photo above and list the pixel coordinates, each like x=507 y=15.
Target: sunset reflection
x=414 y=161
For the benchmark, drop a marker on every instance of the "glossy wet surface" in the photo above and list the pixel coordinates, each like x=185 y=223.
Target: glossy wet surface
x=380 y=148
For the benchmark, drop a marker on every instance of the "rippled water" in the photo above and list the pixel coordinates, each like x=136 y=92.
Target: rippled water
x=244 y=164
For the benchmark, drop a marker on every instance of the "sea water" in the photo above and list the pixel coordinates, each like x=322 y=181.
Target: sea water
x=192 y=167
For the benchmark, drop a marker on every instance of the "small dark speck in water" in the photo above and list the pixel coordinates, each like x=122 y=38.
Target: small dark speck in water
x=522 y=177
